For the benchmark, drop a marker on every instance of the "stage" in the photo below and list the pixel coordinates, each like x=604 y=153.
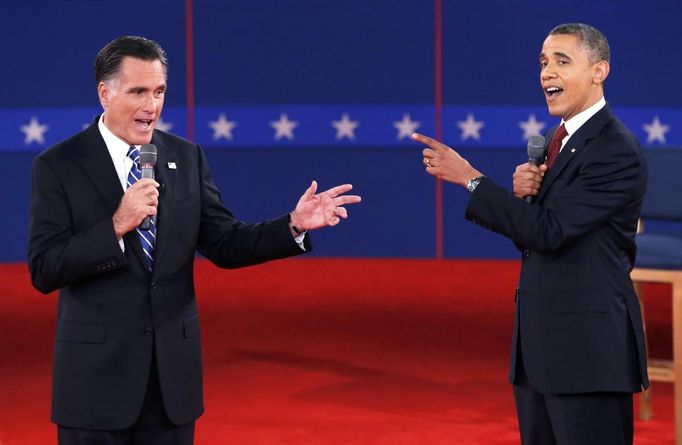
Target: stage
x=329 y=352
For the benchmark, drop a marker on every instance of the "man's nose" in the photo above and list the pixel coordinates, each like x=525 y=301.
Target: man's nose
x=150 y=104
x=548 y=72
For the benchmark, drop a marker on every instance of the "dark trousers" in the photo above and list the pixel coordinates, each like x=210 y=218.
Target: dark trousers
x=572 y=419
x=151 y=428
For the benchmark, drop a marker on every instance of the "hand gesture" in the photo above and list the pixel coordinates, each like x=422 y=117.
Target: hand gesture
x=445 y=163
x=324 y=209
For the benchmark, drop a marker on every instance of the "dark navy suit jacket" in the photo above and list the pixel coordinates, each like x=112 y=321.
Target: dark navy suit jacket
x=112 y=313
x=578 y=322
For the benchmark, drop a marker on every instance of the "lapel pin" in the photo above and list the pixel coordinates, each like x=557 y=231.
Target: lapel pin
x=572 y=150
x=172 y=165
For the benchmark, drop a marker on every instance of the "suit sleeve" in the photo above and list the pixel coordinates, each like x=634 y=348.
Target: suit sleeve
x=230 y=243
x=58 y=254
x=607 y=181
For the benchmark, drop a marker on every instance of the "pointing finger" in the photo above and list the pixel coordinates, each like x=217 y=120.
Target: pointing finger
x=432 y=143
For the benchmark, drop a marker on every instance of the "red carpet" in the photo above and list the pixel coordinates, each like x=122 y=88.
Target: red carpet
x=329 y=351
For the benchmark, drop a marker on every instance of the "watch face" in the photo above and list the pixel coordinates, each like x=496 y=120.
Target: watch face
x=473 y=183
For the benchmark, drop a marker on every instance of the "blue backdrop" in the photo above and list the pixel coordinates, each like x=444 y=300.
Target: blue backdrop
x=286 y=91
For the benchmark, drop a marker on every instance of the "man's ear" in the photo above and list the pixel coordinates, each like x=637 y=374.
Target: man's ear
x=104 y=93
x=600 y=71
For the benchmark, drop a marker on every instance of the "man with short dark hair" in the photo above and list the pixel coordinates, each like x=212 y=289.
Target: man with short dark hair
x=578 y=346
x=127 y=359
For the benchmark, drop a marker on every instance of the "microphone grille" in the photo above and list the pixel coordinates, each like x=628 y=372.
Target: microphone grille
x=536 y=146
x=148 y=154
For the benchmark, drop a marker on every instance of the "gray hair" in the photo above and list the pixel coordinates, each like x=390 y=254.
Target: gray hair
x=590 y=39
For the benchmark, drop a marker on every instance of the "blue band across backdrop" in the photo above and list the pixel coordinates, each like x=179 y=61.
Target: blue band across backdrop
x=253 y=61
x=334 y=125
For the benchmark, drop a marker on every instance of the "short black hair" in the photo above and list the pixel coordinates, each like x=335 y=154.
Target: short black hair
x=109 y=59
x=589 y=38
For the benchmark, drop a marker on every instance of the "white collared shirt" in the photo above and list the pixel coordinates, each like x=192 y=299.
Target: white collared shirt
x=118 y=150
x=573 y=124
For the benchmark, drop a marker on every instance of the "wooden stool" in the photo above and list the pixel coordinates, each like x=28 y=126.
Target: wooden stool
x=664 y=370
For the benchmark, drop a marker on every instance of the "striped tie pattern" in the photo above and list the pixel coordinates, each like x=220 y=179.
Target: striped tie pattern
x=555 y=145
x=147 y=237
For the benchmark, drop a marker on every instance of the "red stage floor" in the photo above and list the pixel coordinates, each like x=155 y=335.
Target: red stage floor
x=329 y=351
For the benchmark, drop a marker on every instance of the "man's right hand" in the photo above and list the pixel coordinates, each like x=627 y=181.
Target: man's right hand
x=139 y=200
x=527 y=179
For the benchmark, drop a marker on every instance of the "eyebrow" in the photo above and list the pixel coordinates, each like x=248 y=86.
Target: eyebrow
x=557 y=53
x=143 y=89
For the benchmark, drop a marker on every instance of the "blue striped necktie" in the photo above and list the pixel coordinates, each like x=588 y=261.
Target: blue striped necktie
x=147 y=237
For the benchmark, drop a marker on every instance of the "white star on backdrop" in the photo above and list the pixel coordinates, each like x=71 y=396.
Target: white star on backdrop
x=470 y=128
x=163 y=126
x=284 y=128
x=656 y=131
x=345 y=127
x=532 y=127
x=222 y=128
x=406 y=126
x=34 y=131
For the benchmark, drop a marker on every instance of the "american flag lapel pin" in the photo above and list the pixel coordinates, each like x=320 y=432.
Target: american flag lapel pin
x=172 y=166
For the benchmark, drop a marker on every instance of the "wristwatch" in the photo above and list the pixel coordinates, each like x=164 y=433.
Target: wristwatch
x=473 y=183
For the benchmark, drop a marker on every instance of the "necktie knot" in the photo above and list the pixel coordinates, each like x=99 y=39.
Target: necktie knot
x=134 y=154
x=555 y=145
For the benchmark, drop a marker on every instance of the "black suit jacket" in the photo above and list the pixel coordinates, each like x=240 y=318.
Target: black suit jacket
x=112 y=313
x=578 y=323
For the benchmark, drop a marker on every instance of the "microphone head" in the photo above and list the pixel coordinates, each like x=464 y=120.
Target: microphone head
x=536 y=147
x=148 y=154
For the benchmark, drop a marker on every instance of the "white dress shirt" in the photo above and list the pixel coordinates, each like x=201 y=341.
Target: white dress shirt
x=573 y=124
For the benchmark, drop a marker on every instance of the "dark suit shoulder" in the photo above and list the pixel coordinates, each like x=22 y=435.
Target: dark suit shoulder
x=171 y=140
x=615 y=143
x=618 y=133
x=73 y=146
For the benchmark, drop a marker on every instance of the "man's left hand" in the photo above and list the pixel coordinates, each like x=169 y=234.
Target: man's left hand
x=324 y=209
x=445 y=163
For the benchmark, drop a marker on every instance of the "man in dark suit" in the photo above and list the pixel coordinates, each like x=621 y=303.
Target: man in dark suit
x=127 y=362
x=578 y=347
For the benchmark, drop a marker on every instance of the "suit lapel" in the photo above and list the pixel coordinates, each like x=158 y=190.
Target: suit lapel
x=575 y=144
x=99 y=167
x=97 y=164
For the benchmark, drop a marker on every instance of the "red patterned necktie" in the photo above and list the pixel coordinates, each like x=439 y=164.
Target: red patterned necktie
x=555 y=145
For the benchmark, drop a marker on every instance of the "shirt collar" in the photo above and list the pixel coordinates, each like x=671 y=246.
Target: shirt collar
x=573 y=124
x=116 y=145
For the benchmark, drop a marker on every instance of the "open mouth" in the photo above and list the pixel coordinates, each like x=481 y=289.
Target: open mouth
x=551 y=92
x=143 y=124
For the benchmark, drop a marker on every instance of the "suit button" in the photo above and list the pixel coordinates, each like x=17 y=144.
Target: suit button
x=148 y=331
x=153 y=285
x=526 y=253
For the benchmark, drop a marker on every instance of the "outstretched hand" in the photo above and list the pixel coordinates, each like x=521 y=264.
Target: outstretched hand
x=445 y=163
x=324 y=209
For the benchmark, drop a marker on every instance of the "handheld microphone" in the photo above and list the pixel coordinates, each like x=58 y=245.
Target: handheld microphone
x=536 y=156
x=147 y=164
